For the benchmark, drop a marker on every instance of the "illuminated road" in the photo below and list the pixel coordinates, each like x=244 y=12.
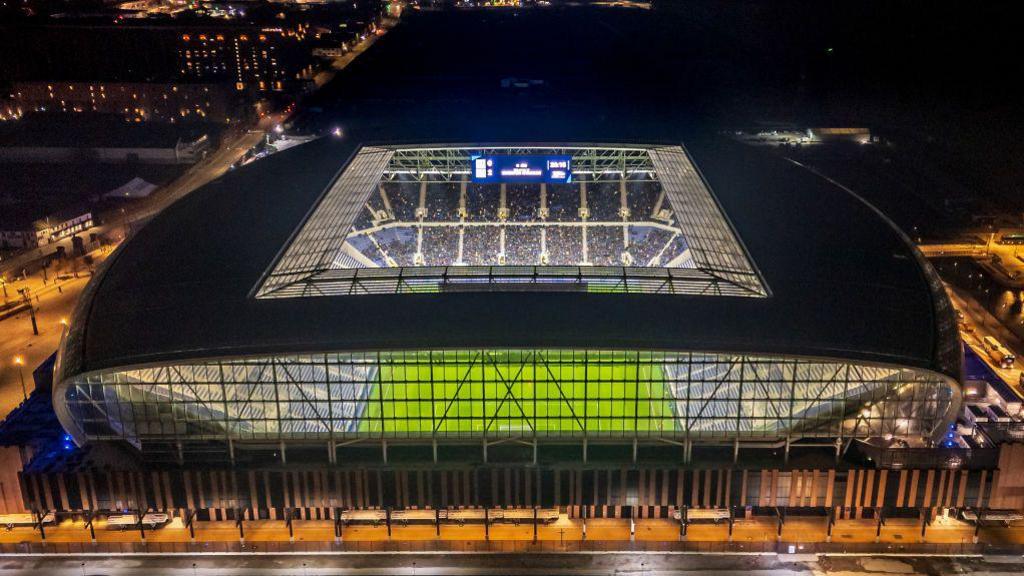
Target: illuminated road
x=211 y=168
x=984 y=324
x=432 y=564
x=55 y=300
x=1011 y=257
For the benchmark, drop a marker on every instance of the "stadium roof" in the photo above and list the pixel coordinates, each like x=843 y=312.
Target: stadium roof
x=699 y=252
x=844 y=283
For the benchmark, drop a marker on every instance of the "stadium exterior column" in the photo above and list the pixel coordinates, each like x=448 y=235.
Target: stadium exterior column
x=384 y=450
x=831 y=523
x=632 y=523
x=926 y=518
x=634 y=449
x=338 y=528
x=683 y=521
x=535 y=525
x=736 y=450
x=584 y=449
x=879 y=522
x=433 y=443
x=485 y=450
x=284 y=457
x=977 y=524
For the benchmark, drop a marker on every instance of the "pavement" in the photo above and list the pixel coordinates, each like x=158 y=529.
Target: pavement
x=808 y=530
x=54 y=299
x=587 y=563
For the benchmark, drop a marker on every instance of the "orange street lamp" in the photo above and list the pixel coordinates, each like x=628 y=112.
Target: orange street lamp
x=19 y=362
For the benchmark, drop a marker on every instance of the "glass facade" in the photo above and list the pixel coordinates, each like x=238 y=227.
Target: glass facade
x=503 y=393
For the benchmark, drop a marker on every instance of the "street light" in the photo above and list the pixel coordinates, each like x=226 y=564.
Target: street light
x=19 y=362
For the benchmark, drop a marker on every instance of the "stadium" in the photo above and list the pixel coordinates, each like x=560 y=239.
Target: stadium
x=566 y=296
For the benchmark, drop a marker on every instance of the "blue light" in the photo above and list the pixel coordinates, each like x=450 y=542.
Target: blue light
x=526 y=169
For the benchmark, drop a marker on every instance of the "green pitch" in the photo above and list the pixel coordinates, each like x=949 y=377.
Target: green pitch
x=519 y=392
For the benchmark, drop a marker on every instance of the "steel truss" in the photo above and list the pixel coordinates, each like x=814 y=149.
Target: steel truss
x=510 y=394
x=314 y=264
x=452 y=163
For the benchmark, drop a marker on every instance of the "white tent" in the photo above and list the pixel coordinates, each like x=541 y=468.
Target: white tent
x=134 y=188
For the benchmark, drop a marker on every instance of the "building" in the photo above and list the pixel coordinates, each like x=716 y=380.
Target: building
x=101 y=138
x=485 y=299
x=248 y=58
x=62 y=224
x=251 y=59
x=134 y=101
x=431 y=299
x=20 y=234
x=400 y=302
x=17 y=234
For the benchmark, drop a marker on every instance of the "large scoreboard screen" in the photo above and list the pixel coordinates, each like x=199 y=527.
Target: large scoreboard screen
x=527 y=169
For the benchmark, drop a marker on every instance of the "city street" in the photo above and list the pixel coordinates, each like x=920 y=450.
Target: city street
x=578 y=563
x=54 y=301
x=1011 y=257
x=984 y=324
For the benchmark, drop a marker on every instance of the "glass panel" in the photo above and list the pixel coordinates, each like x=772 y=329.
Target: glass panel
x=509 y=393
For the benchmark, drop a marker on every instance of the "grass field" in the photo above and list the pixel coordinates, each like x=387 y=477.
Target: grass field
x=508 y=393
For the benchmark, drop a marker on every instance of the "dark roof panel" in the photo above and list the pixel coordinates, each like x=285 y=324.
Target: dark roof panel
x=844 y=283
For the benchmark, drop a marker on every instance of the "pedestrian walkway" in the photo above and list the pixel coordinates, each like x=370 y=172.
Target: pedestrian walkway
x=751 y=534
